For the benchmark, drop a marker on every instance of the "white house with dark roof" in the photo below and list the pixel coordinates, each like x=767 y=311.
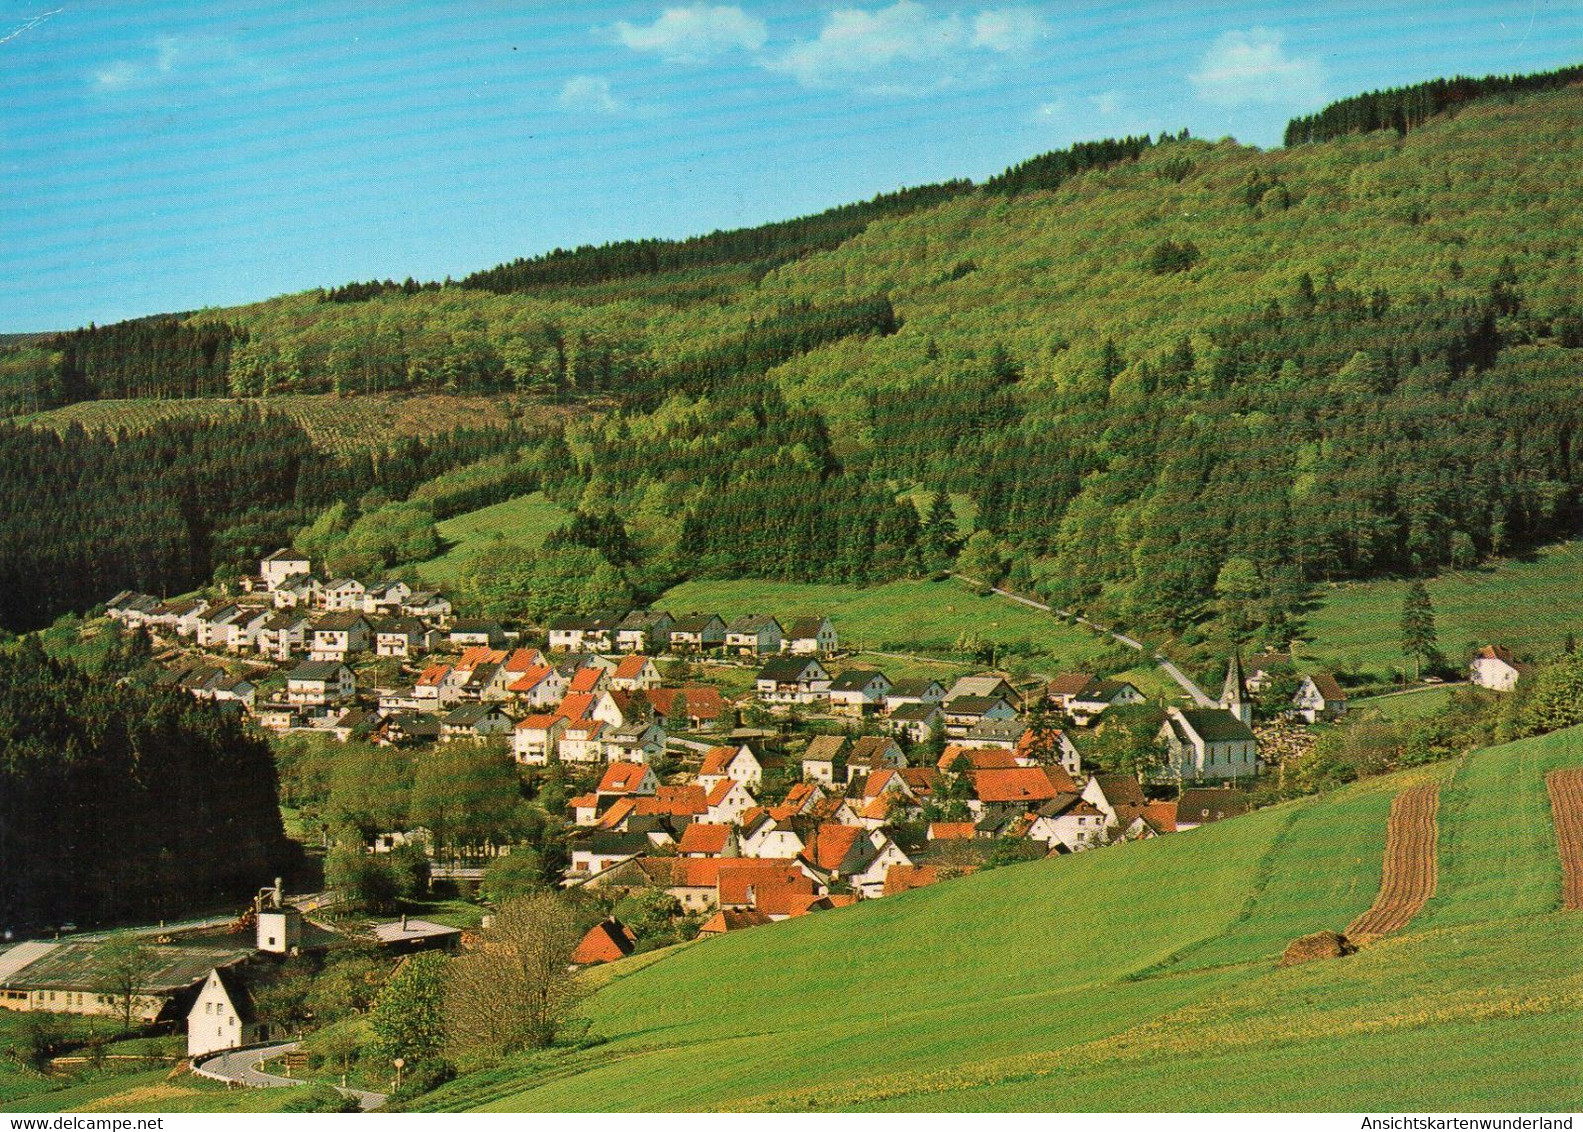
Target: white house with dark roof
x=315 y=683
x=339 y=636
x=1496 y=667
x=1318 y=697
x=1208 y=745
x=222 y=1016
x=810 y=636
x=697 y=632
x=792 y=680
x=644 y=630
x=754 y=635
x=342 y=595
x=858 y=691
x=276 y=568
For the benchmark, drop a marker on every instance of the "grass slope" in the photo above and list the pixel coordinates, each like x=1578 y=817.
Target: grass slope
x=1529 y=604
x=1136 y=978
x=526 y=520
x=906 y=616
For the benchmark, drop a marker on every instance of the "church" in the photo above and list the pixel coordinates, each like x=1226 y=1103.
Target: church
x=1213 y=744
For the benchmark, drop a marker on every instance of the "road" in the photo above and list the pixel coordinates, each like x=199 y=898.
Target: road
x=1193 y=690
x=242 y=1067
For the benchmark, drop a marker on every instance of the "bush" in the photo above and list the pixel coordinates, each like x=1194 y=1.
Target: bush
x=1169 y=257
x=319 y=1098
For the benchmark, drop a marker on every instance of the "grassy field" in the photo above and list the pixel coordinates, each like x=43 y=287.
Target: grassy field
x=904 y=617
x=527 y=520
x=341 y=424
x=1400 y=706
x=1138 y=978
x=1529 y=604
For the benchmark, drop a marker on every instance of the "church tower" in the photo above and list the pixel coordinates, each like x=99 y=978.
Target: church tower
x=1234 y=696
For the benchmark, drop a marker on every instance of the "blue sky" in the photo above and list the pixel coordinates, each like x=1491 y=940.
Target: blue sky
x=171 y=156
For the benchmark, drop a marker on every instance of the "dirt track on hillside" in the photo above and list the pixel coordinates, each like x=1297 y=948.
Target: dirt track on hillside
x=1566 y=804
x=1408 y=878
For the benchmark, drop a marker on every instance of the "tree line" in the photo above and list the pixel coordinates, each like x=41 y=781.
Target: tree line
x=119 y=801
x=1405 y=108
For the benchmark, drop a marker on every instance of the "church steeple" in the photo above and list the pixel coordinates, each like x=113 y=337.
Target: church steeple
x=1234 y=695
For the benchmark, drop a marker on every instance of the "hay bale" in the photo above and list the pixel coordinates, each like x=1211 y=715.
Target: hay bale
x=1318 y=945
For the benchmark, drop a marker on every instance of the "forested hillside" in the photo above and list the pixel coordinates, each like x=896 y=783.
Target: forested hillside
x=113 y=799
x=1139 y=360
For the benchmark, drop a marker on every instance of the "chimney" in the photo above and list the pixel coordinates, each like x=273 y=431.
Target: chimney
x=279 y=893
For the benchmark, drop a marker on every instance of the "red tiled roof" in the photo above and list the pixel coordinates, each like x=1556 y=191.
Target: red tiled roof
x=480 y=654
x=605 y=942
x=717 y=760
x=530 y=679
x=631 y=667
x=921 y=779
x=617 y=813
x=801 y=795
x=586 y=680
x=541 y=722
x=675 y=801
x=576 y=707
x=829 y=844
x=773 y=883
x=584 y=802
x=901 y=878
x=1069 y=683
x=722 y=922
x=704 y=837
x=719 y=790
x=433 y=674
x=1325 y=684
x=1161 y=815
x=704 y=703
x=952 y=831
x=982 y=758
x=520 y=660
x=1019 y=784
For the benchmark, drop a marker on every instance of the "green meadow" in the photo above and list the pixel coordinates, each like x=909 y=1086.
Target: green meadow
x=526 y=520
x=1135 y=978
x=1529 y=604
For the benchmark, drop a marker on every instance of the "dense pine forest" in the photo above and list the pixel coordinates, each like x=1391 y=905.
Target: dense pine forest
x=113 y=800
x=1131 y=361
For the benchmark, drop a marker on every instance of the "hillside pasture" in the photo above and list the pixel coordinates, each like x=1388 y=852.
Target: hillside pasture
x=526 y=520
x=1529 y=604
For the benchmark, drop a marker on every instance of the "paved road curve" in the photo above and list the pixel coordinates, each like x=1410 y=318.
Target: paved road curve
x=1175 y=673
x=242 y=1067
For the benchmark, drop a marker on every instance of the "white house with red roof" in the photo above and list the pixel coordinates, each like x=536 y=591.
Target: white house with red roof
x=727 y=801
x=539 y=686
x=635 y=673
x=622 y=779
x=1497 y=668
x=708 y=839
x=582 y=741
x=535 y=741
x=737 y=763
x=438 y=686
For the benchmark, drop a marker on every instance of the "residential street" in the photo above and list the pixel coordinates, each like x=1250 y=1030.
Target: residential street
x=241 y=1067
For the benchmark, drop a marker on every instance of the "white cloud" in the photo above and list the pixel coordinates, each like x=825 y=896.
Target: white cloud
x=902 y=49
x=1008 y=29
x=1252 y=67
x=1107 y=102
x=201 y=64
x=590 y=95
x=695 y=33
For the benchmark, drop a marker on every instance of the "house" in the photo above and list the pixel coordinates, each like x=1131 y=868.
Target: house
x=869 y=882
x=469 y=632
x=754 y=635
x=588 y=680
x=474 y=721
x=623 y=779
x=594 y=633
x=234 y=689
x=635 y=673
x=1015 y=790
x=1203 y=805
x=214 y=627
x=905 y=878
x=840 y=852
x=858 y=691
x=825 y=760
x=697 y=632
x=222 y=1016
x=186 y=614
x=339 y=636
x=1497 y=668
x=275 y=717
x=707 y=839
x=1068 y=822
x=438 y=686
x=916 y=722
x=638 y=741
x=403 y=637
x=1046 y=745
x=1208 y=744
x=428 y=605
x=688 y=709
x=1092 y=700
x=1265 y=668
x=582 y=741
x=386 y=597
x=1319 y=697
x=539 y=687
x=988 y=687
x=736 y=763
x=792 y=680
x=599 y=851
x=606 y=941
x=357 y=722
x=914 y=692
x=1117 y=796
x=962 y=713
x=284 y=635
x=722 y=922
x=952 y=831
x=69 y=977
x=301 y=592
x=407 y=728
x=534 y=740
x=766 y=835
x=315 y=683
x=869 y=753
x=776 y=888
x=726 y=802
x=644 y=630
x=410 y=934
x=342 y=595
x=276 y=568
x=810 y=636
